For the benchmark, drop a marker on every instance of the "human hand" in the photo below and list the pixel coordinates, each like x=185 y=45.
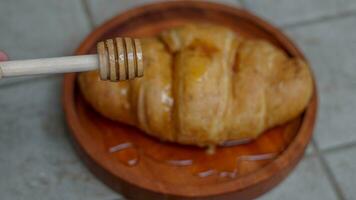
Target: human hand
x=3 y=56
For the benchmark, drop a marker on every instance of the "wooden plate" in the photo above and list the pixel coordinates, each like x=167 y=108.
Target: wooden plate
x=141 y=167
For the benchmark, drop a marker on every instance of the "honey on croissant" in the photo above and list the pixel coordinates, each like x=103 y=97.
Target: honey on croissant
x=203 y=85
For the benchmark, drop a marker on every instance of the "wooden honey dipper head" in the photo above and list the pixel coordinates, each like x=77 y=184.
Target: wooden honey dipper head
x=120 y=59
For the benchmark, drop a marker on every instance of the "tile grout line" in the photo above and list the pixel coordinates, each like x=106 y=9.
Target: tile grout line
x=87 y=12
x=339 y=147
x=318 y=19
x=329 y=172
x=312 y=153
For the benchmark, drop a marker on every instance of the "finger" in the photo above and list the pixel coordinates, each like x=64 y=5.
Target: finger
x=3 y=56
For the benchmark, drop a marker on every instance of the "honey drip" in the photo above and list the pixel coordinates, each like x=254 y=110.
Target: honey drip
x=231 y=159
x=126 y=153
x=129 y=154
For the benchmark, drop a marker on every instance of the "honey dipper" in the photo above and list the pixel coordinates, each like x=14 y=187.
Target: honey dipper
x=117 y=59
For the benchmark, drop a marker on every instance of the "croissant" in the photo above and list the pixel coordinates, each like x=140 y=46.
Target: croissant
x=204 y=85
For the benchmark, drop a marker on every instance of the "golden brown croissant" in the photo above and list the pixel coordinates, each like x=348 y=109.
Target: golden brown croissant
x=203 y=85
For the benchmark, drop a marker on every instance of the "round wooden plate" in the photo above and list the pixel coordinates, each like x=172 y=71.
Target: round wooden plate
x=141 y=167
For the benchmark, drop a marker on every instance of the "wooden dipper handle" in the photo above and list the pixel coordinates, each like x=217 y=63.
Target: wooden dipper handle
x=117 y=59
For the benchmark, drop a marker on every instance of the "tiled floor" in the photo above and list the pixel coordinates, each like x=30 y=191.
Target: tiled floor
x=308 y=181
x=41 y=28
x=104 y=10
x=291 y=12
x=37 y=161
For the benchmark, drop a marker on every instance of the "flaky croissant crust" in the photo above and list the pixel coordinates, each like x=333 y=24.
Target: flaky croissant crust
x=204 y=85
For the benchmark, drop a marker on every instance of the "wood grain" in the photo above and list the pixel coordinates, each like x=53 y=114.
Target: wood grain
x=120 y=59
x=141 y=167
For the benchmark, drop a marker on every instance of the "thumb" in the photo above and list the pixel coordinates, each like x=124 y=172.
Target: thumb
x=3 y=56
